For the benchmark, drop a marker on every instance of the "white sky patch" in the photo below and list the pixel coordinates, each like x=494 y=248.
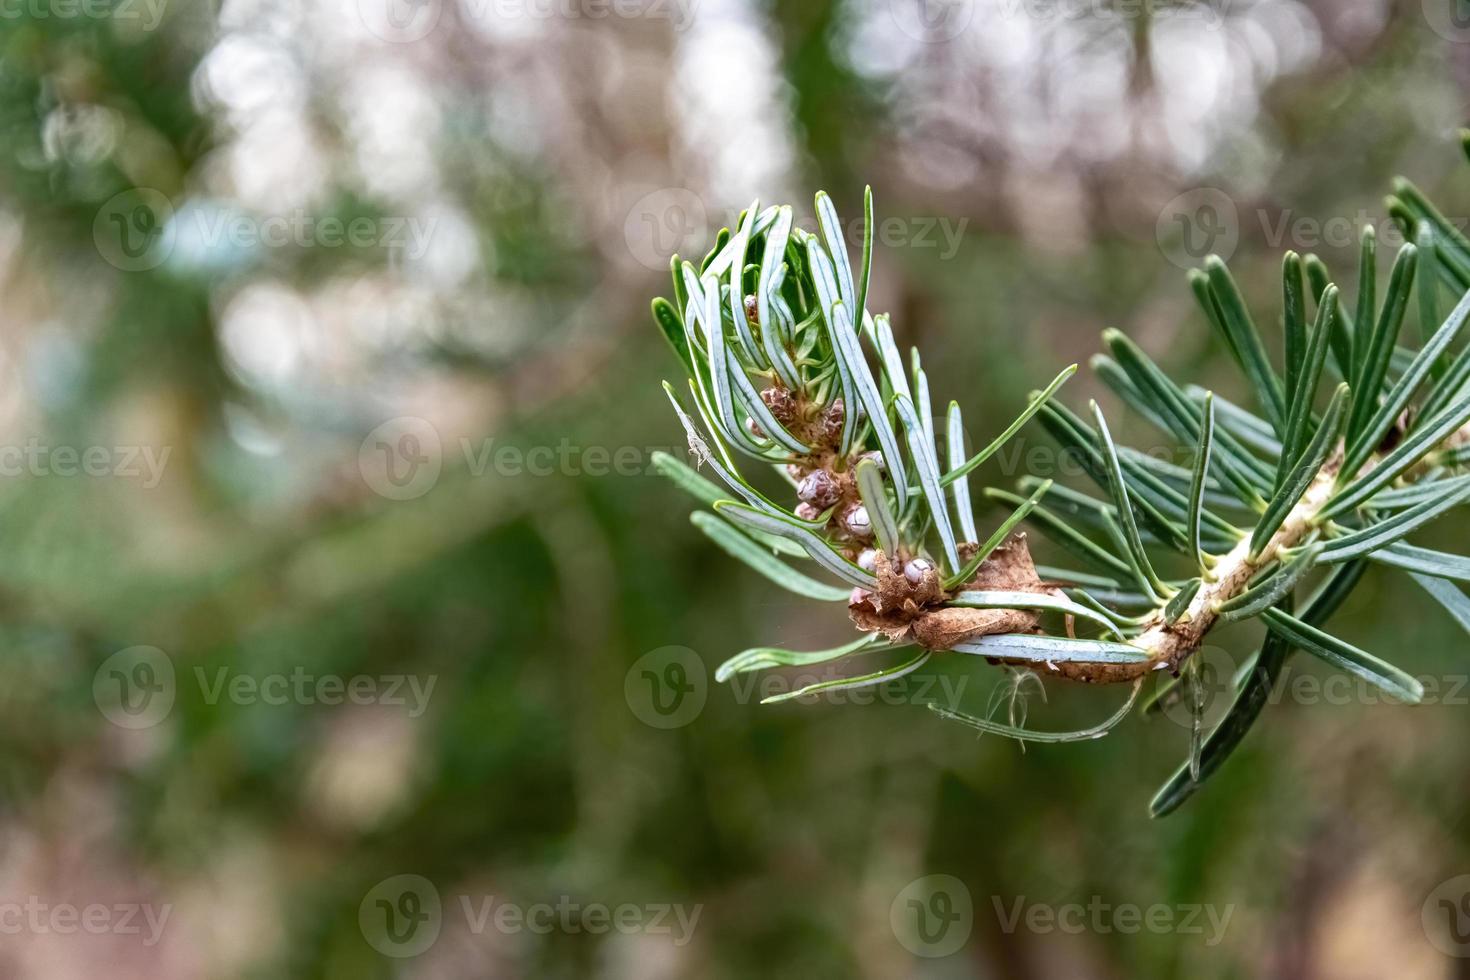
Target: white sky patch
x=265 y=332
x=505 y=21
x=730 y=100
x=1049 y=80
x=80 y=134
x=393 y=119
x=246 y=74
x=443 y=246
x=276 y=164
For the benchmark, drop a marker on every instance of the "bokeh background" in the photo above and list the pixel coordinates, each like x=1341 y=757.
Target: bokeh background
x=330 y=554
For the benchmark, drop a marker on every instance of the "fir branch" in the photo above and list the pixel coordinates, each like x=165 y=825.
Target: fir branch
x=801 y=377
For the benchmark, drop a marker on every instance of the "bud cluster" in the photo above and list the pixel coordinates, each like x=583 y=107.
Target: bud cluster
x=771 y=330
